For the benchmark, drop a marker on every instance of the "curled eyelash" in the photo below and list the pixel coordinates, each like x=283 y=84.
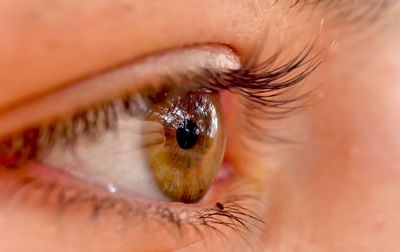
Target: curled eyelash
x=266 y=89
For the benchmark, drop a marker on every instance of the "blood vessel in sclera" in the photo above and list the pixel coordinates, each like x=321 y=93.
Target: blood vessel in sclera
x=8 y=160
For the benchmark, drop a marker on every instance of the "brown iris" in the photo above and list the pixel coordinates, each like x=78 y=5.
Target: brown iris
x=186 y=162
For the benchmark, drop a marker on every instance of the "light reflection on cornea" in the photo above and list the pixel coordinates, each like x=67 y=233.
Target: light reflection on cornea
x=111 y=188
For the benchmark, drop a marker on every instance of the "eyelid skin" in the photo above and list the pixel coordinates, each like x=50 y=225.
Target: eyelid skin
x=113 y=83
x=45 y=44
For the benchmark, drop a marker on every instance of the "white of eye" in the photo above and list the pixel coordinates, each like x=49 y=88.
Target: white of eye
x=116 y=160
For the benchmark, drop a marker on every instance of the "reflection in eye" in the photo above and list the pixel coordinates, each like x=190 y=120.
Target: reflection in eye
x=165 y=140
x=194 y=145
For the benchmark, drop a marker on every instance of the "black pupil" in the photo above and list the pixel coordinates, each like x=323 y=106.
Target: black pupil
x=187 y=134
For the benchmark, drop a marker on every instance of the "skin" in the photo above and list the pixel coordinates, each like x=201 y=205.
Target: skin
x=335 y=190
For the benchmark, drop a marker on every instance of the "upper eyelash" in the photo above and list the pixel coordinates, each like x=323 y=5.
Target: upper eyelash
x=261 y=86
x=255 y=82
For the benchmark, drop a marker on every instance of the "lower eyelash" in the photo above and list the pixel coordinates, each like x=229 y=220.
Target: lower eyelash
x=231 y=212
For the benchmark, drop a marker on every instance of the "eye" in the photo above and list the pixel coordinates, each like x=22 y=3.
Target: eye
x=140 y=140
x=162 y=145
x=163 y=141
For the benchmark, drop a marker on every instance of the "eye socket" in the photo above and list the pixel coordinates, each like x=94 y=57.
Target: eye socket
x=186 y=163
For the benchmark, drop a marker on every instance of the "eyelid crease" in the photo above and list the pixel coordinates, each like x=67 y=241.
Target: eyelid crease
x=118 y=81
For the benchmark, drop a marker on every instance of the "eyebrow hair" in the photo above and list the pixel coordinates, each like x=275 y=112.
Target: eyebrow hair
x=356 y=11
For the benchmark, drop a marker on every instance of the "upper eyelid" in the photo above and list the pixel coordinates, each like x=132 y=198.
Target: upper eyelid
x=116 y=82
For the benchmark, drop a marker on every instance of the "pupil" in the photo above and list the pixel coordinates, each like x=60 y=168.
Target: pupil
x=187 y=134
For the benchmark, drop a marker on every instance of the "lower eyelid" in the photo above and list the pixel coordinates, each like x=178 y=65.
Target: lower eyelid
x=69 y=199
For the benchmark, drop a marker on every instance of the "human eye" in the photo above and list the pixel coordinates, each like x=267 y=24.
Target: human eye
x=164 y=140
x=145 y=142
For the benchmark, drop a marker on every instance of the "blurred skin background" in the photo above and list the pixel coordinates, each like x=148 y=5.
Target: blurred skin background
x=335 y=189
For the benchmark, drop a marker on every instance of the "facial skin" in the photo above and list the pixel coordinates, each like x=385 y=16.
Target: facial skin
x=336 y=189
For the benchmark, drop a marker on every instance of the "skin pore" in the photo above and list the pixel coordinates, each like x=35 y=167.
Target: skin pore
x=336 y=189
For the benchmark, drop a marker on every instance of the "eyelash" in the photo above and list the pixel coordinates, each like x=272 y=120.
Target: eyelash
x=231 y=212
x=259 y=86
